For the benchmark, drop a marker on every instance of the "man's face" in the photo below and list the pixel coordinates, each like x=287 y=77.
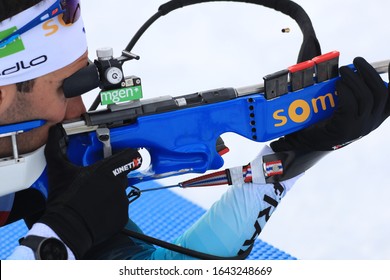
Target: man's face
x=45 y=101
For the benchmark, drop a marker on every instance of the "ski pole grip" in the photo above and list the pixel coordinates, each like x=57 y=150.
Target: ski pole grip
x=82 y=81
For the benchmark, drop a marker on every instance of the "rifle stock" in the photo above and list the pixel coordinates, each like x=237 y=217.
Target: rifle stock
x=180 y=133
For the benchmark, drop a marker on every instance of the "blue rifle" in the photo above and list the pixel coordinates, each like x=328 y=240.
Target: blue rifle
x=182 y=134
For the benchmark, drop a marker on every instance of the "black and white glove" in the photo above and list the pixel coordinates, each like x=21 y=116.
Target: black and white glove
x=86 y=205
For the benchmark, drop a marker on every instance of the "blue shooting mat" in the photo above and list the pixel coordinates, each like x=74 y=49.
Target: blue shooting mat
x=162 y=214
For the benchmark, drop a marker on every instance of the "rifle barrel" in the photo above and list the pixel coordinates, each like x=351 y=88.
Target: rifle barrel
x=80 y=126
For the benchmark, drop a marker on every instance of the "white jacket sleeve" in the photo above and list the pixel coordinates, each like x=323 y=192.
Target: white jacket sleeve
x=233 y=223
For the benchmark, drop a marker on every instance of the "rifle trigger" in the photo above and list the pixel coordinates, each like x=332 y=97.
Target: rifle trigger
x=103 y=134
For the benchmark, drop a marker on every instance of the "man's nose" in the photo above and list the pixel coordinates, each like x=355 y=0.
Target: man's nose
x=75 y=108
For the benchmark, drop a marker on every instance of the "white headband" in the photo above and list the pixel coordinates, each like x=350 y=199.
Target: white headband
x=45 y=48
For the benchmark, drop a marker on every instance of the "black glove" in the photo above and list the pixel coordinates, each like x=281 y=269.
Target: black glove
x=86 y=205
x=363 y=105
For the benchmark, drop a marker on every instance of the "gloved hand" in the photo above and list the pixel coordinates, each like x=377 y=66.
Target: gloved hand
x=363 y=105
x=86 y=205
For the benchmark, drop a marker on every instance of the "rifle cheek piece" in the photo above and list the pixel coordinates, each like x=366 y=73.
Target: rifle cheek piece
x=282 y=166
x=83 y=81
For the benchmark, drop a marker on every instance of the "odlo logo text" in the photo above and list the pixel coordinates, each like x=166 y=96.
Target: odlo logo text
x=23 y=65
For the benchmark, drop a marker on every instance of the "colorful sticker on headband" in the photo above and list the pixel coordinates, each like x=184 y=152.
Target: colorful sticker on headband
x=13 y=47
